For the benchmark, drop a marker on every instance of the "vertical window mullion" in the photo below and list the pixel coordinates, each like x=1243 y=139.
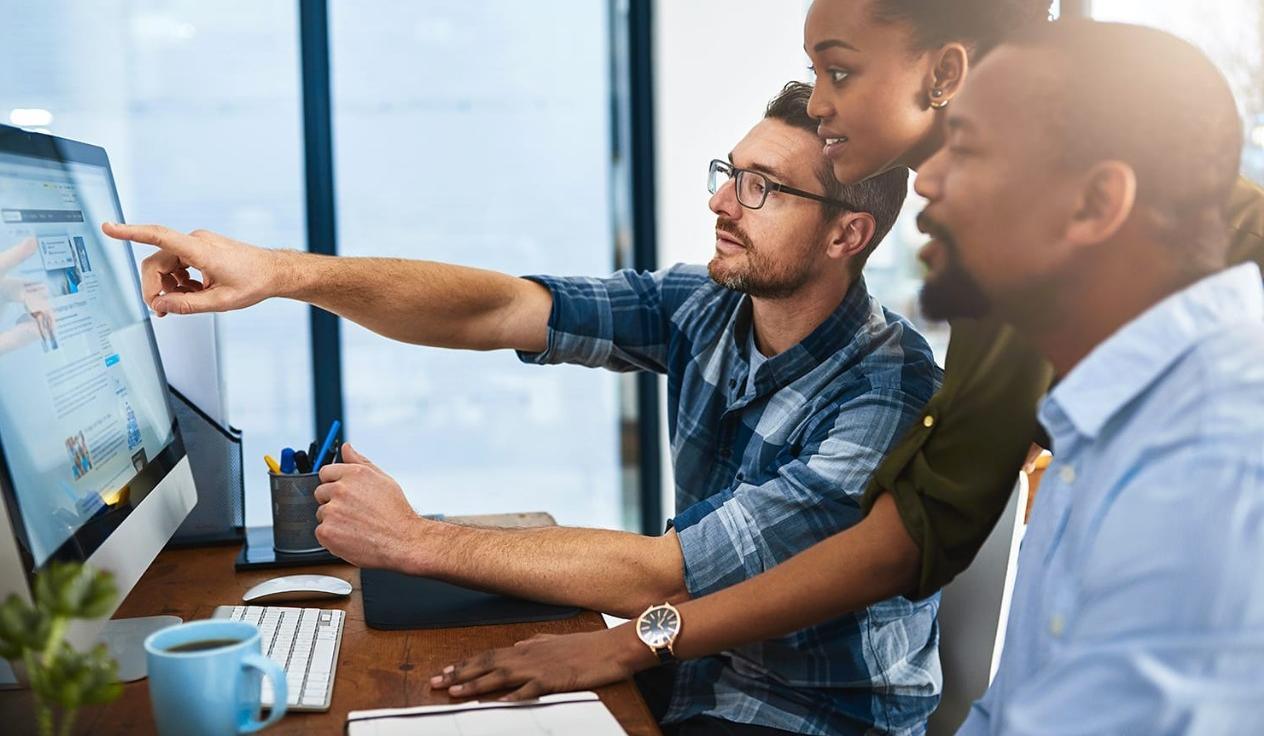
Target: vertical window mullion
x=322 y=231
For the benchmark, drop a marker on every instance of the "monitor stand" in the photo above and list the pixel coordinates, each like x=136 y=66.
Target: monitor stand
x=124 y=637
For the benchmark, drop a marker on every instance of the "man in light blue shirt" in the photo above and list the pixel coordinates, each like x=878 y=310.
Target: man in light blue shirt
x=1080 y=197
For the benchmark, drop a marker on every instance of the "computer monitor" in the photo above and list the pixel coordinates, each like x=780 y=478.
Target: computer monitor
x=92 y=465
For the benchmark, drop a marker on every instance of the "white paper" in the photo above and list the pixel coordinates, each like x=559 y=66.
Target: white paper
x=551 y=715
x=189 y=346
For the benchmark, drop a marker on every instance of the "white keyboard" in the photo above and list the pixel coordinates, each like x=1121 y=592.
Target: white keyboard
x=304 y=641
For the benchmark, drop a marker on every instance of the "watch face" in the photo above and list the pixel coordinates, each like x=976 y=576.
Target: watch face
x=657 y=626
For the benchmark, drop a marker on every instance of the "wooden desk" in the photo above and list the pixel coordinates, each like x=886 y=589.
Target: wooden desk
x=376 y=669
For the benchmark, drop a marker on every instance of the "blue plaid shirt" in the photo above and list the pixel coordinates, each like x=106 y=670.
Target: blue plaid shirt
x=766 y=469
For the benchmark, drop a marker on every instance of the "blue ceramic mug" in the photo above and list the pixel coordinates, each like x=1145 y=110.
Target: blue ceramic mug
x=205 y=678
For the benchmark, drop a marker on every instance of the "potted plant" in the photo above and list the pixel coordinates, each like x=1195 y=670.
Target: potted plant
x=32 y=638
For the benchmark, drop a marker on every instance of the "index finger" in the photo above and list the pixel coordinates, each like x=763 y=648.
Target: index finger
x=15 y=255
x=171 y=241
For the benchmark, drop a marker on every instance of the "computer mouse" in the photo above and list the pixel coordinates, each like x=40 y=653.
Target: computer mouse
x=298 y=587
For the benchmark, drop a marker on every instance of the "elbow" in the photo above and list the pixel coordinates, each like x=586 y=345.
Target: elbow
x=900 y=562
x=663 y=579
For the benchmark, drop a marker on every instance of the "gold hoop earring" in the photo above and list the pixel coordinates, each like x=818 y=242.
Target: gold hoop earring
x=937 y=100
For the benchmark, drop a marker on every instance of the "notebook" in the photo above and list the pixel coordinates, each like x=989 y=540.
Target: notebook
x=551 y=715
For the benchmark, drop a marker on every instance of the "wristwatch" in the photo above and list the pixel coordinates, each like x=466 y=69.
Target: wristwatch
x=658 y=628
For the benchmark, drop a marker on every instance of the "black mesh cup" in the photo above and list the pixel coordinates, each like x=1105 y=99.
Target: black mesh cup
x=294 y=512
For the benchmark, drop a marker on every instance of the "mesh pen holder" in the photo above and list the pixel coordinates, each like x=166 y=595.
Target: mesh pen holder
x=294 y=512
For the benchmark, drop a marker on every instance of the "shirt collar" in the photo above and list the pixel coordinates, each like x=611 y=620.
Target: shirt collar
x=1126 y=363
x=836 y=332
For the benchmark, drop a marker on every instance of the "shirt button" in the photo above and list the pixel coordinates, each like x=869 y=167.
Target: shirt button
x=1057 y=624
x=732 y=383
x=740 y=476
x=1067 y=474
x=928 y=421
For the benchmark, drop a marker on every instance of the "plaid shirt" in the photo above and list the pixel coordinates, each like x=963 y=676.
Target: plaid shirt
x=766 y=469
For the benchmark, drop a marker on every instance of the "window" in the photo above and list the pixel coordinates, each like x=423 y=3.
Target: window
x=478 y=133
x=198 y=106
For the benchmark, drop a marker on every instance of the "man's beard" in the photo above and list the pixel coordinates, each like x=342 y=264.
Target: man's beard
x=758 y=276
x=952 y=293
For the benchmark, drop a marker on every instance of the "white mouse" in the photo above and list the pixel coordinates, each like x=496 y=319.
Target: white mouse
x=298 y=587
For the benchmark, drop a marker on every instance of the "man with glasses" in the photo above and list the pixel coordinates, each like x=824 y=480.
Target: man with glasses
x=787 y=383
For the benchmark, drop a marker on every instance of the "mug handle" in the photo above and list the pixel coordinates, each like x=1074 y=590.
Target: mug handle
x=271 y=670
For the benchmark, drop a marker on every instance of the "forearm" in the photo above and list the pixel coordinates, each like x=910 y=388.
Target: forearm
x=608 y=571
x=808 y=589
x=422 y=302
x=851 y=570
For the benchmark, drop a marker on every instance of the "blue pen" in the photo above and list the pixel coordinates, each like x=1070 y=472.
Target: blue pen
x=324 y=449
x=287 y=461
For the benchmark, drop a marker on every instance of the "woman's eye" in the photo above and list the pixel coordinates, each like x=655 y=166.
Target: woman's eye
x=835 y=75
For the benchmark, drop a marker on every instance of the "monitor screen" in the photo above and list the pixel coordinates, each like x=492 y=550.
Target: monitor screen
x=86 y=430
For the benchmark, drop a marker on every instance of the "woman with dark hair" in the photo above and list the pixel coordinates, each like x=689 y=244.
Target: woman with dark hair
x=886 y=73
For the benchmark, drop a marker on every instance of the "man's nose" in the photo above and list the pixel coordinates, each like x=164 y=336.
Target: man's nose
x=724 y=201
x=929 y=181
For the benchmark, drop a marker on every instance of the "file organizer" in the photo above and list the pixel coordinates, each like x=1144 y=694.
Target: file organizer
x=215 y=456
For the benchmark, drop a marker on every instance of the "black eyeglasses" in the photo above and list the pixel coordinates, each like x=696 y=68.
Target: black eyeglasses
x=753 y=187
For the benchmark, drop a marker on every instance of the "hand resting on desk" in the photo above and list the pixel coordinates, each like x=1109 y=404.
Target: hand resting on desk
x=549 y=664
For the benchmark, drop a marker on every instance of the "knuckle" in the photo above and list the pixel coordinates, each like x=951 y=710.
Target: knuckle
x=161 y=235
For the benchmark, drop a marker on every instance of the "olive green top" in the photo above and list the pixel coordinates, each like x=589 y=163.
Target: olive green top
x=952 y=474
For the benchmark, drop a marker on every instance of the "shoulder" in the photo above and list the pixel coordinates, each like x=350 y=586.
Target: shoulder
x=1224 y=372
x=894 y=356
x=1209 y=403
x=686 y=282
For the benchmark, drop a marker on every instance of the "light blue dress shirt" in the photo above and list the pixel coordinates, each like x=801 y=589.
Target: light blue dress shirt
x=1139 y=602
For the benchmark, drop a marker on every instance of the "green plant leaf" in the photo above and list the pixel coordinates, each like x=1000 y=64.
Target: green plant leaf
x=21 y=627
x=73 y=590
x=102 y=686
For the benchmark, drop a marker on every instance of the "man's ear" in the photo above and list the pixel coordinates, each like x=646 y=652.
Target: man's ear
x=1106 y=199
x=851 y=234
x=948 y=74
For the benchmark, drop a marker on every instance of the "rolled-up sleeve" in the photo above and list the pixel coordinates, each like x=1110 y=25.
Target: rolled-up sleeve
x=951 y=475
x=621 y=322
x=749 y=528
